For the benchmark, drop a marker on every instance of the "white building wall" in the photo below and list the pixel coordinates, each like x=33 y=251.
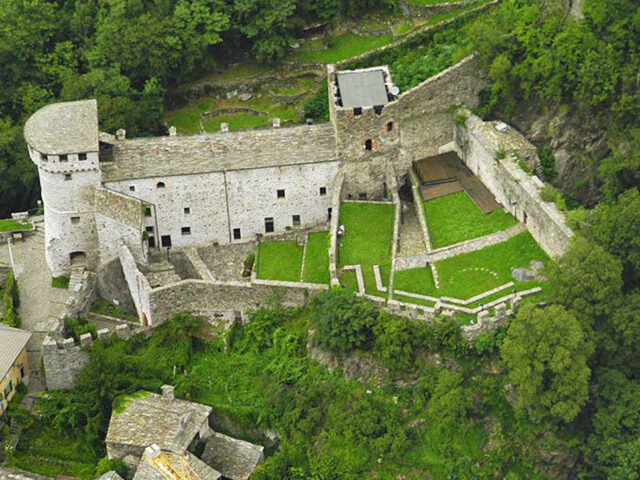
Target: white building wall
x=220 y=202
x=253 y=197
x=202 y=194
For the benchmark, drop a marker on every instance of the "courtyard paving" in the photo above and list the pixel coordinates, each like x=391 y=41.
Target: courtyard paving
x=41 y=305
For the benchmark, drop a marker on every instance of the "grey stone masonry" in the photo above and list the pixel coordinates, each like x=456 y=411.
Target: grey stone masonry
x=63 y=361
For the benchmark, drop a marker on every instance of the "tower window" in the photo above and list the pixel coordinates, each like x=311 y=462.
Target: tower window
x=75 y=220
x=160 y=185
x=132 y=188
x=362 y=196
x=187 y=210
x=389 y=126
x=296 y=220
x=236 y=234
x=186 y=230
x=357 y=111
x=323 y=190
x=67 y=176
x=166 y=241
x=149 y=229
x=82 y=156
x=147 y=211
x=64 y=158
x=269 y=226
x=281 y=193
x=368 y=144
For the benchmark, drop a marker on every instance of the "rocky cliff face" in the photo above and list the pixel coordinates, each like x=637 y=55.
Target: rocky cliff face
x=578 y=142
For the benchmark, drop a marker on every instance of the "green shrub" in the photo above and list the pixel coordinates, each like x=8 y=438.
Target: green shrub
x=343 y=321
x=460 y=120
x=10 y=301
x=111 y=464
x=76 y=328
x=445 y=335
x=548 y=164
x=396 y=339
x=317 y=107
x=60 y=282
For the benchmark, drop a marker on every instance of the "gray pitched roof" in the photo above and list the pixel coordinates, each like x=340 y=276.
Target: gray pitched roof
x=362 y=88
x=235 y=459
x=151 y=418
x=63 y=128
x=215 y=152
x=12 y=341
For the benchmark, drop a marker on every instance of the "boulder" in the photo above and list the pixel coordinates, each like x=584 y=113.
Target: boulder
x=523 y=275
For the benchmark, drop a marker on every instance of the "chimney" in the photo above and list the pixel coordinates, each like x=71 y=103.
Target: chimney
x=224 y=127
x=173 y=131
x=121 y=134
x=276 y=123
x=168 y=392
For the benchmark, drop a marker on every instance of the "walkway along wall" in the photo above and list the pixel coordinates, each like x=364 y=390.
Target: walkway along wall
x=482 y=146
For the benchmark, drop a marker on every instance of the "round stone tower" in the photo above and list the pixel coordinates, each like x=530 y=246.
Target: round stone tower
x=63 y=141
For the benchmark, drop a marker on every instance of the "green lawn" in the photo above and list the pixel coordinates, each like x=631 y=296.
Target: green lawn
x=280 y=261
x=473 y=273
x=316 y=268
x=350 y=280
x=416 y=280
x=44 y=451
x=367 y=239
x=455 y=218
x=345 y=46
x=9 y=224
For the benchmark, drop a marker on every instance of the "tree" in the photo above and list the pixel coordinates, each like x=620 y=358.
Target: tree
x=343 y=321
x=546 y=354
x=616 y=227
x=588 y=282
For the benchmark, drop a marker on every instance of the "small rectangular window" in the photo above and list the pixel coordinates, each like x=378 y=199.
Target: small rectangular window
x=368 y=144
x=186 y=230
x=151 y=241
x=269 y=226
x=82 y=156
x=67 y=176
x=281 y=193
x=75 y=220
x=296 y=220
x=237 y=234
x=147 y=211
x=149 y=229
x=357 y=111
x=323 y=190
x=362 y=196
x=43 y=157
x=132 y=188
x=64 y=158
x=187 y=210
x=166 y=241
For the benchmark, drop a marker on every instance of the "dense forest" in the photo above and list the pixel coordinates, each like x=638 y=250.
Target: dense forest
x=127 y=53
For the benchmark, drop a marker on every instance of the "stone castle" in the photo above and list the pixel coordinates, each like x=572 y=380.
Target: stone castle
x=113 y=199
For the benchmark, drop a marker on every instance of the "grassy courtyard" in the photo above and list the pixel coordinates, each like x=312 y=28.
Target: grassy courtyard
x=280 y=261
x=476 y=272
x=455 y=218
x=316 y=268
x=367 y=239
x=283 y=260
x=344 y=46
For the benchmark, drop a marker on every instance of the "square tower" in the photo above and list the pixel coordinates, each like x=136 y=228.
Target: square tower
x=367 y=134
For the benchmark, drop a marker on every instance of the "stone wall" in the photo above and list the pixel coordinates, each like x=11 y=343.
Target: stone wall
x=113 y=286
x=424 y=112
x=420 y=11
x=200 y=297
x=139 y=287
x=64 y=360
x=481 y=145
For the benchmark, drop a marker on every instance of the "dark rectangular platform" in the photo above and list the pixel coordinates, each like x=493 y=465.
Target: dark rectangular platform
x=446 y=173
